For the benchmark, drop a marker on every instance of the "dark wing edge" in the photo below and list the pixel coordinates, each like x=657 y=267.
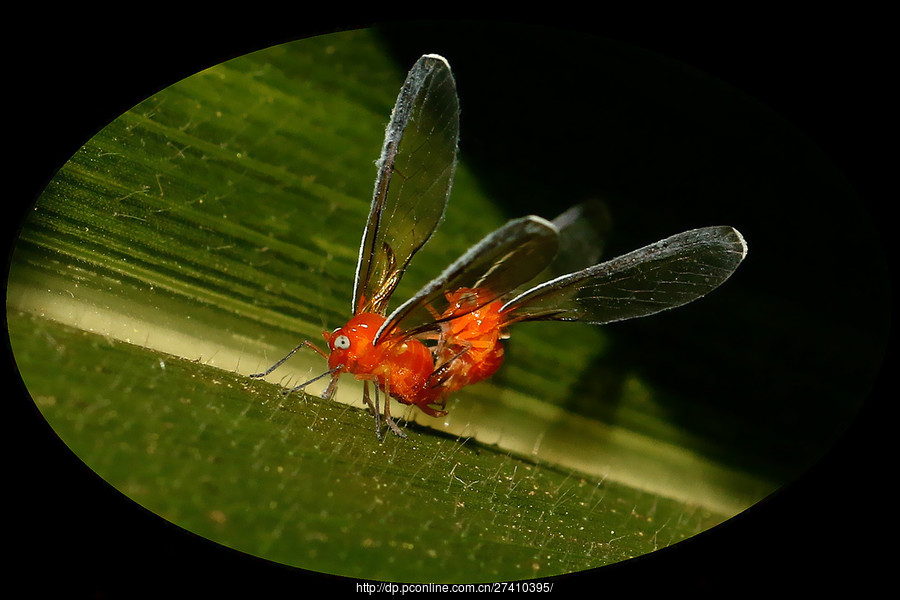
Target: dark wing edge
x=661 y=276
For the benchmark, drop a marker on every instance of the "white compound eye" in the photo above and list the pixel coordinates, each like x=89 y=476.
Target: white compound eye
x=341 y=342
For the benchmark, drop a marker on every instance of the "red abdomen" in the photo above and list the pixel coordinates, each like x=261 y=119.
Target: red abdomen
x=471 y=344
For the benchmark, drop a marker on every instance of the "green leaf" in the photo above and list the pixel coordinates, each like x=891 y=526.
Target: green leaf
x=202 y=234
x=303 y=481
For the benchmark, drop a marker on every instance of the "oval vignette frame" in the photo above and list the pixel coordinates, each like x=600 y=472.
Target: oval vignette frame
x=756 y=218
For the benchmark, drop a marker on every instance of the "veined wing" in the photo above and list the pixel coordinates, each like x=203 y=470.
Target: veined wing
x=415 y=172
x=502 y=261
x=664 y=275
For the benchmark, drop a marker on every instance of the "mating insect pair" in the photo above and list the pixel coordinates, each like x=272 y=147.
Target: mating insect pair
x=449 y=334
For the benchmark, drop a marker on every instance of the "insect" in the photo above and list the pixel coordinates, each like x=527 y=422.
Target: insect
x=450 y=334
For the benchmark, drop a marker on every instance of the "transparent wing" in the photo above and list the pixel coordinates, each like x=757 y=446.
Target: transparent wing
x=583 y=231
x=664 y=275
x=505 y=259
x=415 y=172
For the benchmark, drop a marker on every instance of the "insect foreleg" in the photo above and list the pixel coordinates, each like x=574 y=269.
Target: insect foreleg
x=332 y=385
x=316 y=378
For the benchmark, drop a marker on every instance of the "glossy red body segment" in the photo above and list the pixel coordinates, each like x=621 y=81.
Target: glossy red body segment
x=400 y=366
x=471 y=344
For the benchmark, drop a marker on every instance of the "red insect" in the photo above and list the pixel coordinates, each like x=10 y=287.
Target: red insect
x=449 y=334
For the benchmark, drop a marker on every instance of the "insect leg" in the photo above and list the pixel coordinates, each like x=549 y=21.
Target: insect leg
x=367 y=399
x=374 y=408
x=306 y=343
x=434 y=313
x=316 y=378
x=387 y=415
x=440 y=374
x=332 y=386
